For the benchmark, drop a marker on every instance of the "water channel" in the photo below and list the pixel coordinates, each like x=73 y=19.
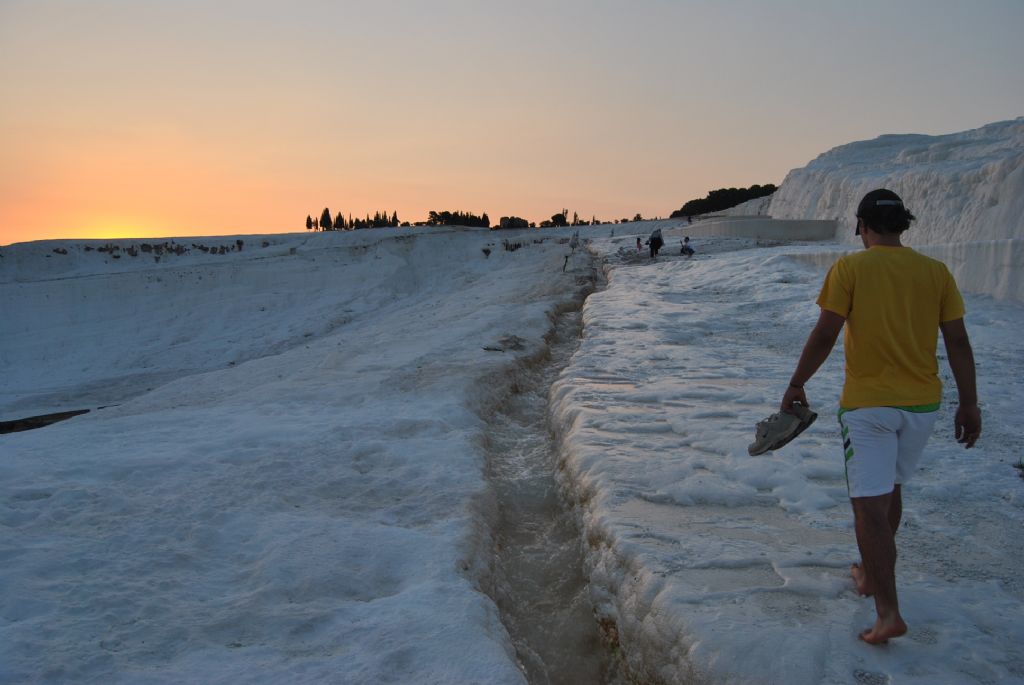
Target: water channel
x=538 y=579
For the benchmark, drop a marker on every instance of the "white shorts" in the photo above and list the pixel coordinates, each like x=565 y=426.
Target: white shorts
x=882 y=446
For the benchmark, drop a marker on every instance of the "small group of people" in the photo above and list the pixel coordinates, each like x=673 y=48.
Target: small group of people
x=656 y=242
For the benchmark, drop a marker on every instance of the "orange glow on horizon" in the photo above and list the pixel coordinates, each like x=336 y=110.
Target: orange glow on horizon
x=113 y=228
x=185 y=119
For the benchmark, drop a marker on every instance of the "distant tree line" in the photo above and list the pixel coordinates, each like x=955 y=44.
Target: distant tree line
x=723 y=198
x=447 y=218
x=325 y=222
x=562 y=219
x=340 y=223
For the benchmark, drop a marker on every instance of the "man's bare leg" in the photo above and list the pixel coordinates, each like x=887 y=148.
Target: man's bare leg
x=895 y=509
x=860 y=580
x=877 y=542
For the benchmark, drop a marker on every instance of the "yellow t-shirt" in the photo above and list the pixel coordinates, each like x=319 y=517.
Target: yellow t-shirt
x=893 y=300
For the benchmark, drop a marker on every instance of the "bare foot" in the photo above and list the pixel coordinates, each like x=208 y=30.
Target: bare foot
x=860 y=581
x=880 y=633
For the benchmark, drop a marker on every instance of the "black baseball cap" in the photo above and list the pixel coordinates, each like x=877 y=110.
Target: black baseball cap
x=869 y=206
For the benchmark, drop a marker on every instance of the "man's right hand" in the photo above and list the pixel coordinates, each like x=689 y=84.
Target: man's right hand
x=793 y=394
x=967 y=425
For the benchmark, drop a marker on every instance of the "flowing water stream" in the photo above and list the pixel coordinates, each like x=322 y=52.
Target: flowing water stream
x=538 y=581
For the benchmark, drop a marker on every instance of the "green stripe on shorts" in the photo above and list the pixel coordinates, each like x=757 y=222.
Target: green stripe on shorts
x=921 y=408
x=847 y=447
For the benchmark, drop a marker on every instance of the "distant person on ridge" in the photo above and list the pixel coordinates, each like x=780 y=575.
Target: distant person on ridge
x=892 y=301
x=655 y=242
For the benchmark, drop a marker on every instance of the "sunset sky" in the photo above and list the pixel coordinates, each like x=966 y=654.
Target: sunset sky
x=143 y=118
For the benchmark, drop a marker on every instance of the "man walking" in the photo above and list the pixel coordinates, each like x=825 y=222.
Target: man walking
x=892 y=301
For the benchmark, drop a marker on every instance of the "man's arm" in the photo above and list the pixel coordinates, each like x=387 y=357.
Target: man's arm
x=816 y=350
x=967 y=424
